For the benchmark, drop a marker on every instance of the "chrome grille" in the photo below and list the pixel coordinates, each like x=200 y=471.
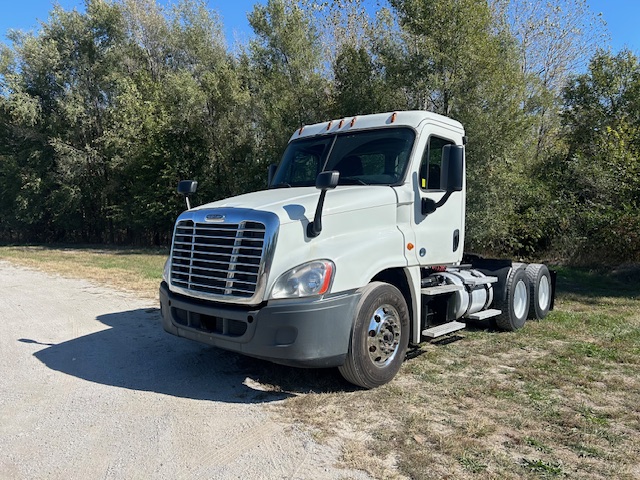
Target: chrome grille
x=218 y=259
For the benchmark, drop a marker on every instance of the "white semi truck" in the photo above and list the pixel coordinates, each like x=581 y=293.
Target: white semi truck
x=353 y=252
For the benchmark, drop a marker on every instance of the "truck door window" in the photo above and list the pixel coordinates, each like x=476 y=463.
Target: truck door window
x=432 y=163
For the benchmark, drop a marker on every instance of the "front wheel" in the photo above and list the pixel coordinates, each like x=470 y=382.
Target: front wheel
x=379 y=338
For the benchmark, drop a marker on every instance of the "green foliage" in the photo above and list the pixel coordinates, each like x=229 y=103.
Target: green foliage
x=116 y=105
x=355 y=82
x=102 y=112
x=285 y=66
x=600 y=176
x=462 y=63
x=446 y=46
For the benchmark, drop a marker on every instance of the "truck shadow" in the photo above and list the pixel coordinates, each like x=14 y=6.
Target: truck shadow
x=135 y=353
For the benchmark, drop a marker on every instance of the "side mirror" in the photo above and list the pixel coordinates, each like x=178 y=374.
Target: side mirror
x=272 y=172
x=452 y=171
x=324 y=181
x=187 y=188
x=327 y=180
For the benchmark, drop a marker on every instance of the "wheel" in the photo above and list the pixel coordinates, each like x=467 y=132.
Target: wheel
x=515 y=306
x=540 y=290
x=379 y=337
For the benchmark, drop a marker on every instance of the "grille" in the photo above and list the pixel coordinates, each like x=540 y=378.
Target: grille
x=221 y=260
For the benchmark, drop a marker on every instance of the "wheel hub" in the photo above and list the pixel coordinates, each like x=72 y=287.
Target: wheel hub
x=520 y=300
x=544 y=293
x=384 y=335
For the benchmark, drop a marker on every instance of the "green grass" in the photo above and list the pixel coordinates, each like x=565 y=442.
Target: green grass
x=542 y=469
x=557 y=399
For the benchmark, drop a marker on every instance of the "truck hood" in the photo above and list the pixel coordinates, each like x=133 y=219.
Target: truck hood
x=292 y=204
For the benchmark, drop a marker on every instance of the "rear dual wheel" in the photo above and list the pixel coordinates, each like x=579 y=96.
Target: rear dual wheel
x=540 y=288
x=515 y=304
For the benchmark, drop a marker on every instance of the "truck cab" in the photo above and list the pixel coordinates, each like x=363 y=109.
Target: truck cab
x=353 y=252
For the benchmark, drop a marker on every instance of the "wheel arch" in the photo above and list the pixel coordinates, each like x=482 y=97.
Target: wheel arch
x=401 y=279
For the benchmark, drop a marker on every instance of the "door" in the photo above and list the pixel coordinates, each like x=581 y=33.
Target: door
x=440 y=234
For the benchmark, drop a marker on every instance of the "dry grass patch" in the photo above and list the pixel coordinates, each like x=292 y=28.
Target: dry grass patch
x=558 y=399
x=136 y=270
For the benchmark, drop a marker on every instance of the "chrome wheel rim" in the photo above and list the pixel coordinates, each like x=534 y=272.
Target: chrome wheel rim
x=383 y=336
x=520 y=300
x=544 y=293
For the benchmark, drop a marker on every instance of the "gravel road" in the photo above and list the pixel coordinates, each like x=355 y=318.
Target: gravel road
x=92 y=387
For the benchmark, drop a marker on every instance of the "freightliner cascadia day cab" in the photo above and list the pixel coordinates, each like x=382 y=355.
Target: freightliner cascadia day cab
x=353 y=252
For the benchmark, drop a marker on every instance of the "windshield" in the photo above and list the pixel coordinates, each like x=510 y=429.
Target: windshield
x=374 y=157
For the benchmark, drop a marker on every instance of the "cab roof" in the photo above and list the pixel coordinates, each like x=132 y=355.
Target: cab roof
x=411 y=118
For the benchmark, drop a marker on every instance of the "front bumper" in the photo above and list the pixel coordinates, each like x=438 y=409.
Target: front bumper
x=297 y=332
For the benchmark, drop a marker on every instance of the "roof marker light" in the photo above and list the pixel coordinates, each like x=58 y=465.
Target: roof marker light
x=341 y=123
x=300 y=131
x=353 y=121
x=329 y=125
x=393 y=117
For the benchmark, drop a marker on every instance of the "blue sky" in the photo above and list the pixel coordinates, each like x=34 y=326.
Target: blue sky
x=621 y=17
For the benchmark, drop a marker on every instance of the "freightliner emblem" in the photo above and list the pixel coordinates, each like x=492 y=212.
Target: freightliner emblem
x=214 y=217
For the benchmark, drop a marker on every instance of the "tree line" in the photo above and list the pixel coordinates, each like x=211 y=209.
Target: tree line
x=103 y=111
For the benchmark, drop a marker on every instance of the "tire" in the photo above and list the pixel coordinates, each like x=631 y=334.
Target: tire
x=540 y=290
x=515 y=305
x=379 y=337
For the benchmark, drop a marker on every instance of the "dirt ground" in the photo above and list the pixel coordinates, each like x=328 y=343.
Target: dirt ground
x=92 y=387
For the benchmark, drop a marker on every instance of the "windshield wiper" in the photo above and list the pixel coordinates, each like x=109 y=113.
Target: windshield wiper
x=351 y=181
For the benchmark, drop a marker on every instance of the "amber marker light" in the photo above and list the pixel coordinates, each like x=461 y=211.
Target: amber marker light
x=410 y=246
x=301 y=129
x=329 y=125
x=393 y=119
x=327 y=278
x=341 y=123
x=353 y=122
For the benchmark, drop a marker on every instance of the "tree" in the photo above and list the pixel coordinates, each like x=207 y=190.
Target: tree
x=109 y=109
x=600 y=175
x=555 y=38
x=58 y=98
x=457 y=60
x=359 y=84
x=180 y=114
x=286 y=73
x=339 y=24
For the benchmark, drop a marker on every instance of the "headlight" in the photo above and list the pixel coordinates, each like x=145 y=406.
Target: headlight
x=313 y=278
x=166 y=271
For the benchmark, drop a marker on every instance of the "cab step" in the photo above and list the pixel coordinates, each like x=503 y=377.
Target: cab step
x=474 y=282
x=443 y=329
x=441 y=290
x=484 y=314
